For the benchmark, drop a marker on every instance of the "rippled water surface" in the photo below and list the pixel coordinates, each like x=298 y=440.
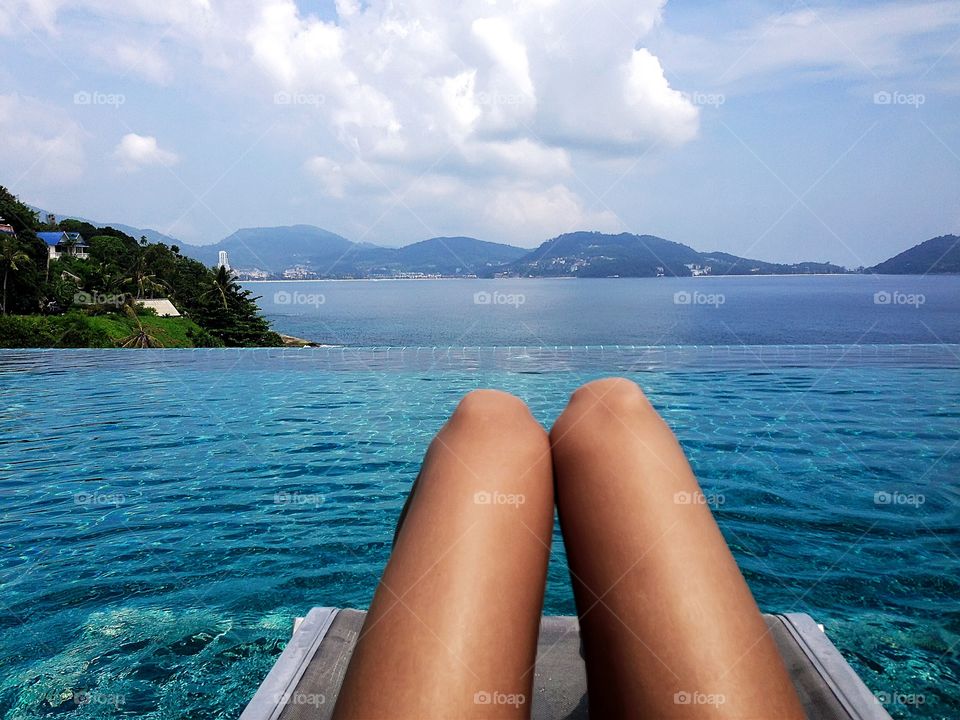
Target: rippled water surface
x=166 y=514
x=637 y=311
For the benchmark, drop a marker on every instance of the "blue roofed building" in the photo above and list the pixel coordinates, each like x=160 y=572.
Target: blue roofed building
x=61 y=243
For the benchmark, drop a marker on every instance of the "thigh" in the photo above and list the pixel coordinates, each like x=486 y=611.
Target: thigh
x=669 y=625
x=452 y=628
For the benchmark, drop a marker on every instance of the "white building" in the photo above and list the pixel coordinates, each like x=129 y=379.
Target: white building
x=299 y=272
x=223 y=261
x=253 y=274
x=162 y=306
x=65 y=243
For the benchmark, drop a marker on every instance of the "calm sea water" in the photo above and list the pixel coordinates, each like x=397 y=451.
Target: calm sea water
x=643 y=311
x=165 y=514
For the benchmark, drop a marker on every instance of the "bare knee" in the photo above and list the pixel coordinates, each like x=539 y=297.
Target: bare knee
x=605 y=401
x=486 y=405
x=614 y=393
x=493 y=412
x=492 y=433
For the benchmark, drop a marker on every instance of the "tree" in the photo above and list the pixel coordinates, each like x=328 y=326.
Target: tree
x=140 y=338
x=125 y=268
x=24 y=286
x=12 y=258
x=221 y=285
x=20 y=216
x=230 y=313
x=145 y=281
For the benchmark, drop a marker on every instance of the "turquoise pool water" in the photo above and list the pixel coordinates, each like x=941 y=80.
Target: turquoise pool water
x=166 y=514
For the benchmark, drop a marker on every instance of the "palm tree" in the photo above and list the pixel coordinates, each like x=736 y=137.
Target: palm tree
x=108 y=278
x=221 y=286
x=11 y=258
x=140 y=338
x=145 y=283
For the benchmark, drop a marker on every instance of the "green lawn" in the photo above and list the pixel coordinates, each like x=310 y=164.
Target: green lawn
x=170 y=332
x=97 y=331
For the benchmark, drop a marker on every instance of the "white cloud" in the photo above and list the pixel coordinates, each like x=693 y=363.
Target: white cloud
x=329 y=173
x=487 y=95
x=41 y=146
x=484 y=94
x=537 y=213
x=147 y=62
x=864 y=40
x=137 y=151
x=868 y=41
x=398 y=82
x=44 y=14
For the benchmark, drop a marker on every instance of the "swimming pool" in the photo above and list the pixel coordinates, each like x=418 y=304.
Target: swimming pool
x=165 y=514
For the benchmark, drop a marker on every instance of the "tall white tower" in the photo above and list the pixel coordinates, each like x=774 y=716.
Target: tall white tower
x=223 y=260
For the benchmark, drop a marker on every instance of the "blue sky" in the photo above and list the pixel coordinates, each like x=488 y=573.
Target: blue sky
x=778 y=130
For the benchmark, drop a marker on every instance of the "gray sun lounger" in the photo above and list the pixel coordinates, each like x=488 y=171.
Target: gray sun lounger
x=305 y=680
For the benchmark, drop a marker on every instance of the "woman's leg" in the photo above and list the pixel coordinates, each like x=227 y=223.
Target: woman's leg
x=452 y=629
x=670 y=628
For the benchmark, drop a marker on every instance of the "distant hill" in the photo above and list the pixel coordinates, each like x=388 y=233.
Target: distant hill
x=727 y=264
x=594 y=254
x=274 y=249
x=578 y=254
x=330 y=255
x=153 y=236
x=440 y=255
x=936 y=256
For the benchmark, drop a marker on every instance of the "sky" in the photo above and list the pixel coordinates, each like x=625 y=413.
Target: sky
x=783 y=131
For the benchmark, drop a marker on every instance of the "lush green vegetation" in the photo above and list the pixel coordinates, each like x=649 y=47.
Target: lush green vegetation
x=939 y=255
x=93 y=302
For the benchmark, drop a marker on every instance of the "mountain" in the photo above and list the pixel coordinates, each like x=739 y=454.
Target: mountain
x=276 y=248
x=726 y=264
x=153 y=236
x=594 y=254
x=330 y=255
x=440 y=256
x=937 y=255
x=578 y=254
